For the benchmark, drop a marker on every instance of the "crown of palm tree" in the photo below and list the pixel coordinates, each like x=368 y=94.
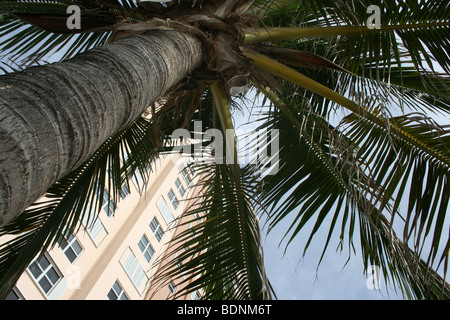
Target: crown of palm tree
x=385 y=164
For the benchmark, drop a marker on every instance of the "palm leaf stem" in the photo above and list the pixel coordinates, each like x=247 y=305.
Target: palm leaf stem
x=286 y=33
x=221 y=105
x=267 y=64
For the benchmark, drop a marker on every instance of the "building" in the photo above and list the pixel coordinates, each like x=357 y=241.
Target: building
x=114 y=258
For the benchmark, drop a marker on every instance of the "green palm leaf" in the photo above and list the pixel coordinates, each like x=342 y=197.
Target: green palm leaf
x=378 y=46
x=220 y=254
x=326 y=177
x=390 y=59
x=395 y=164
x=38 y=29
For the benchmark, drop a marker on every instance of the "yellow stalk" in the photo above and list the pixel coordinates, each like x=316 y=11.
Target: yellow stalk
x=276 y=34
x=269 y=65
x=221 y=103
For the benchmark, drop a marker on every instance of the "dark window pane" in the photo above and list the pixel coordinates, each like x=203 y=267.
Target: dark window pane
x=117 y=287
x=35 y=270
x=112 y=295
x=45 y=284
x=77 y=247
x=44 y=263
x=12 y=296
x=52 y=275
x=70 y=254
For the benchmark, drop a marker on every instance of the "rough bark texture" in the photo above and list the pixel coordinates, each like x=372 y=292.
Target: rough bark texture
x=53 y=118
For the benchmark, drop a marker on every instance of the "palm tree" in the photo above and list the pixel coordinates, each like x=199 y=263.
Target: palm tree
x=383 y=169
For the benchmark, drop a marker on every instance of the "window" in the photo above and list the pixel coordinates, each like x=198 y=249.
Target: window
x=156 y=228
x=192 y=229
x=94 y=226
x=146 y=248
x=138 y=180
x=190 y=167
x=117 y=293
x=124 y=191
x=14 y=294
x=108 y=204
x=165 y=211
x=134 y=270
x=180 y=187
x=97 y=231
x=195 y=295
x=186 y=176
x=45 y=274
x=173 y=199
x=172 y=287
x=70 y=246
x=184 y=172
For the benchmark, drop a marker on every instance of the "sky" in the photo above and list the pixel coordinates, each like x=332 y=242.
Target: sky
x=297 y=277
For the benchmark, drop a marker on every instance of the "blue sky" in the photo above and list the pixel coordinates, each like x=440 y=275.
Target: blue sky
x=296 y=277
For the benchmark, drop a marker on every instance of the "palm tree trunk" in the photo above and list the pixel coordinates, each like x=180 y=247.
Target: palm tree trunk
x=54 y=117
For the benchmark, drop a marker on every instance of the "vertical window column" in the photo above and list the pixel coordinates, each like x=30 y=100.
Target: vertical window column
x=146 y=248
x=157 y=229
x=165 y=211
x=173 y=199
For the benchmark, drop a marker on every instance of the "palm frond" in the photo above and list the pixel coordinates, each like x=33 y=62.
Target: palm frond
x=400 y=265
x=424 y=145
x=265 y=63
x=33 y=30
x=220 y=254
x=390 y=56
x=379 y=181
x=402 y=171
x=313 y=176
x=327 y=180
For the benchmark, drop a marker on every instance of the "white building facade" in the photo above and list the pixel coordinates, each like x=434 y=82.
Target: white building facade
x=114 y=257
